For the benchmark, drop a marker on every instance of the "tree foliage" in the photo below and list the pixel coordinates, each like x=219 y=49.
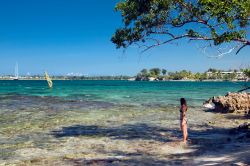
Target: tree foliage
x=144 y=71
x=247 y=72
x=150 y=23
x=179 y=75
x=155 y=72
x=163 y=71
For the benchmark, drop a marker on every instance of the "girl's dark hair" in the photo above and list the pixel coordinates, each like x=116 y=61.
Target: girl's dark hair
x=183 y=101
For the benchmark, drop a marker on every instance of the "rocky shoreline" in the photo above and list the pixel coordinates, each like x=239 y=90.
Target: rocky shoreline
x=232 y=103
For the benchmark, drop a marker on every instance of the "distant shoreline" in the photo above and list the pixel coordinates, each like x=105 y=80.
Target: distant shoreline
x=186 y=80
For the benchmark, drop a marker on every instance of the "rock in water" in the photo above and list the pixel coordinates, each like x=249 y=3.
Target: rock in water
x=232 y=102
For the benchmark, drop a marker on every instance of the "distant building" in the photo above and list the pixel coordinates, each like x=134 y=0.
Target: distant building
x=239 y=75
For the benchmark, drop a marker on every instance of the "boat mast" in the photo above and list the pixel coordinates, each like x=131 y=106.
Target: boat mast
x=16 y=71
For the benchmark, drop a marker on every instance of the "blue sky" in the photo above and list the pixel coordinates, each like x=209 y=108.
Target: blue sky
x=64 y=36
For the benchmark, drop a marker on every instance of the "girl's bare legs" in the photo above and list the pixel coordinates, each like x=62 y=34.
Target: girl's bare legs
x=184 y=131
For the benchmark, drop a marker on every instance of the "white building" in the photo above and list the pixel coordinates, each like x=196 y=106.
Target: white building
x=239 y=74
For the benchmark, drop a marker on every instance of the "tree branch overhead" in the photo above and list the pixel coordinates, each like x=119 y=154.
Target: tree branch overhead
x=160 y=22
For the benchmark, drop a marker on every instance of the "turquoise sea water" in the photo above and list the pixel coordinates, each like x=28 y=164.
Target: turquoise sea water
x=120 y=92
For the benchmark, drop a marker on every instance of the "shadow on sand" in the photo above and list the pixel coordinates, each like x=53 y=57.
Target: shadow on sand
x=128 y=132
x=212 y=142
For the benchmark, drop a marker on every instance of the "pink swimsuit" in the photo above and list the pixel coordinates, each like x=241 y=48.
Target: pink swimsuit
x=182 y=118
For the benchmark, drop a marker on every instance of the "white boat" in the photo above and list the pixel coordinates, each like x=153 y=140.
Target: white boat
x=16 y=77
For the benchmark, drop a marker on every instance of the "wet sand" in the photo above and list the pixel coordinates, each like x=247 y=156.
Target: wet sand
x=92 y=133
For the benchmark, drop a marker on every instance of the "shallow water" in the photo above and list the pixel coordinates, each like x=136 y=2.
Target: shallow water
x=98 y=119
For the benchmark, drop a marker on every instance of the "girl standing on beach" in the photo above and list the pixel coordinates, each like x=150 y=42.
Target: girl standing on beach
x=183 y=119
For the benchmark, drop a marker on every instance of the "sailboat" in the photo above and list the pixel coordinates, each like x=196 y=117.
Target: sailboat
x=16 y=77
x=50 y=83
